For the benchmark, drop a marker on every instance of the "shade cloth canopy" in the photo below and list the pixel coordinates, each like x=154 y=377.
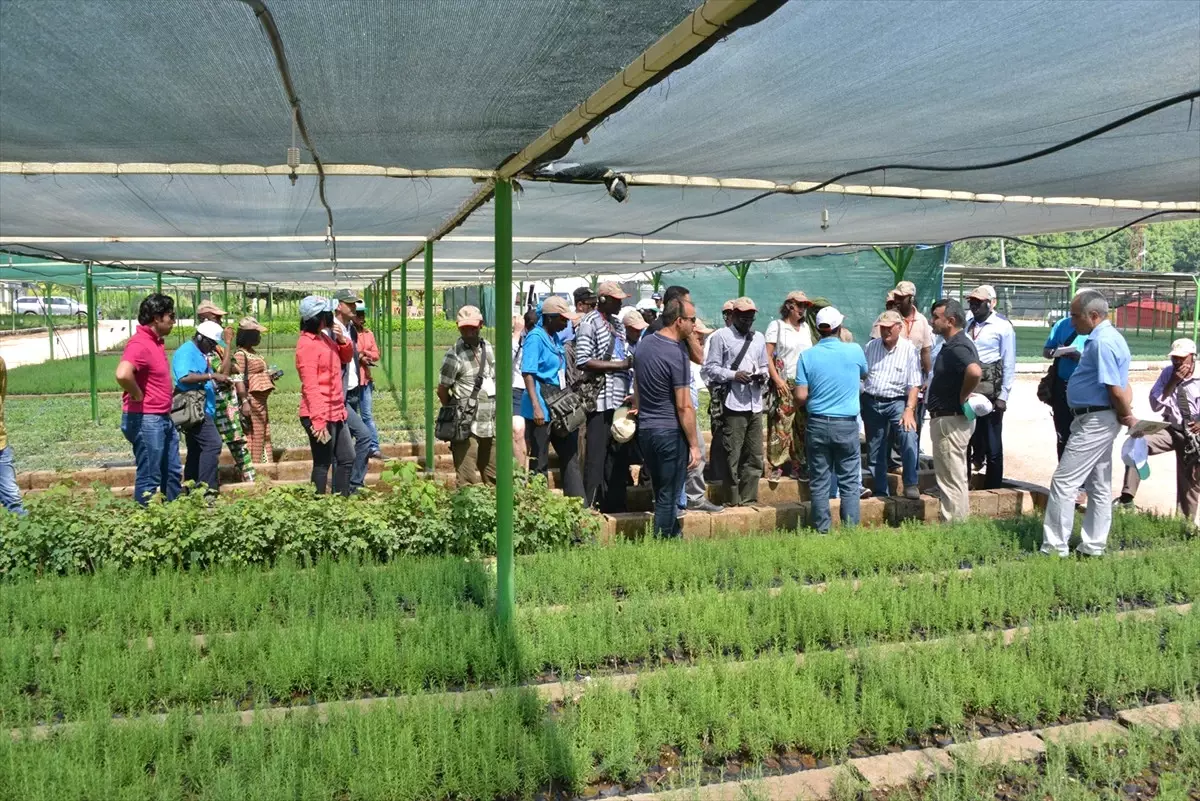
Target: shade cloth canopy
x=813 y=90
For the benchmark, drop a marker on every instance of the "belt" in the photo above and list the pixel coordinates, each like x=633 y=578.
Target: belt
x=886 y=400
x=1080 y=411
x=946 y=413
x=829 y=417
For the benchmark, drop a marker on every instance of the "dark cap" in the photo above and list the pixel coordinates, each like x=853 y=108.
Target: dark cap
x=584 y=295
x=347 y=296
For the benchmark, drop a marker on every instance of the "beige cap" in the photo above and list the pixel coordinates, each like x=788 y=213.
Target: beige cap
x=1183 y=347
x=469 y=317
x=634 y=319
x=891 y=296
x=251 y=324
x=905 y=289
x=611 y=289
x=889 y=318
x=702 y=328
x=208 y=307
x=727 y=306
x=557 y=305
x=624 y=425
x=797 y=296
x=982 y=292
x=744 y=304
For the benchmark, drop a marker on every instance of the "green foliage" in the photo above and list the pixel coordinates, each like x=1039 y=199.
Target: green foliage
x=68 y=531
x=1170 y=247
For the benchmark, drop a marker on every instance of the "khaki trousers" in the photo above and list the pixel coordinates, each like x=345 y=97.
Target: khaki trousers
x=951 y=435
x=474 y=460
x=1187 y=478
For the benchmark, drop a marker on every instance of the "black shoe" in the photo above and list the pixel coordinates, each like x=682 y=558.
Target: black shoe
x=704 y=505
x=378 y=455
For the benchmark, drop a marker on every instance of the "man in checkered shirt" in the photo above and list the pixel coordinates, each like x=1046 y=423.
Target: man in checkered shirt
x=600 y=348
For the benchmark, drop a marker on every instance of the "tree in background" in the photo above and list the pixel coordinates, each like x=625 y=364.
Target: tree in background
x=1170 y=247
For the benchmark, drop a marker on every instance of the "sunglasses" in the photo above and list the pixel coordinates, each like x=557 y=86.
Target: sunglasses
x=690 y=319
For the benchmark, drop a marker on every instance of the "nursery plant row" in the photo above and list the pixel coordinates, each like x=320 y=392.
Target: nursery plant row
x=511 y=745
x=46 y=679
x=136 y=602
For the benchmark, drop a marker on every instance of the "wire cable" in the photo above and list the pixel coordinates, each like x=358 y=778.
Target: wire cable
x=267 y=21
x=1146 y=111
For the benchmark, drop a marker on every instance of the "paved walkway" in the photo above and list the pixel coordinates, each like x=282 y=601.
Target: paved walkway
x=35 y=348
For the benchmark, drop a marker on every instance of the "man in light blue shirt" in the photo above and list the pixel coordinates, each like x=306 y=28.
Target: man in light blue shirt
x=1099 y=397
x=828 y=380
x=996 y=343
x=1062 y=335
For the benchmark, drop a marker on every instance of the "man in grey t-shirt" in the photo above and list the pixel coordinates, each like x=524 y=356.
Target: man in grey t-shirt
x=666 y=418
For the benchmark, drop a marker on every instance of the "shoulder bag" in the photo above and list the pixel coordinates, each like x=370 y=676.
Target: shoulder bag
x=187 y=408
x=454 y=419
x=718 y=392
x=587 y=383
x=1189 y=442
x=1045 y=387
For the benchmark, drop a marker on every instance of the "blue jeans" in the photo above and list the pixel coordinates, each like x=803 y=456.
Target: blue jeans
x=362 y=438
x=833 y=449
x=665 y=452
x=10 y=493
x=155 y=444
x=882 y=420
x=366 y=410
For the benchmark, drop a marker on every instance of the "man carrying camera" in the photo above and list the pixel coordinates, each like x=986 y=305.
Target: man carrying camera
x=736 y=373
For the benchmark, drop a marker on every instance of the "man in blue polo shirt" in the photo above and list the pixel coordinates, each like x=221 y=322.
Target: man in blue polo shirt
x=1063 y=335
x=828 y=381
x=1099 y=397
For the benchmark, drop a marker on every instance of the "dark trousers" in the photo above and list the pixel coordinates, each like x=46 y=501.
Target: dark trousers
x=665 y=452
x=361 y=435
x=743 y=439
x=605 y=466
x=204 y=445
x=716 y=466
x=538 y=440
x=337 y=453
x=988 y=445
x=1062 y=413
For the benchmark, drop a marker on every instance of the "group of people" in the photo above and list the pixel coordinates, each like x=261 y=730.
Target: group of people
x=795 y=402
x=334 y=355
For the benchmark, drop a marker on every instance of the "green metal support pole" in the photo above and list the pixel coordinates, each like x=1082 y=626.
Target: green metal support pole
x=245 y=302
x=89 y=295
x=49 y=319
x=505 y=568
x=1196 y=309
x=429 y=460
x=225 y=295
x=404 y=340
x=158 y=283
x=270 y=313
x=387 y=318
x=129 y=311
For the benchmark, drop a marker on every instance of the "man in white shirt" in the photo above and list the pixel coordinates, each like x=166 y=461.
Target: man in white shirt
x=343 y=321
x=889 y=403
x=736 y=373
x=996 y=342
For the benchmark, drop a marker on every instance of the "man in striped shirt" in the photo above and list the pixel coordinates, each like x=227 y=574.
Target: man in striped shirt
x=889 y=403
x=602 y=354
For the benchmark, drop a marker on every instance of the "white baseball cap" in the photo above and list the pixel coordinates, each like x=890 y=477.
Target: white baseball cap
x=1135 y=453
x=1183 y=347
x=624 y=425
x=830 y=318
x=210 y=330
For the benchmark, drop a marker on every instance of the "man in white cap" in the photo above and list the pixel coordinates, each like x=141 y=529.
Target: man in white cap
x=602 y=355
x=735 y=370
x=828 y=379
x=1176 y=396
x=468 y=380
x=890 y=403
x=226 y=415
x=996 y=344
x=193 y=373
x=1098 y=394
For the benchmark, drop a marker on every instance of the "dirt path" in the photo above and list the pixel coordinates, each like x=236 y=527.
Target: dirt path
x=35 y=348
x=1029 y=453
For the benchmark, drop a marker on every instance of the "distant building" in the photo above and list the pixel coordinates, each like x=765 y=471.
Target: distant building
x=1147 y=313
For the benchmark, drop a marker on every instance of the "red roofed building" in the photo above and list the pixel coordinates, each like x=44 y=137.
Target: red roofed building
x=1147 y=313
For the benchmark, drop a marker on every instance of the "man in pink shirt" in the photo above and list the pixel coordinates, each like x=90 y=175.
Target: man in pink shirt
x=145 y=377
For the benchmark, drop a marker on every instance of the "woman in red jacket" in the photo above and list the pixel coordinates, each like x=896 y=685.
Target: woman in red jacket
x=320 y=354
